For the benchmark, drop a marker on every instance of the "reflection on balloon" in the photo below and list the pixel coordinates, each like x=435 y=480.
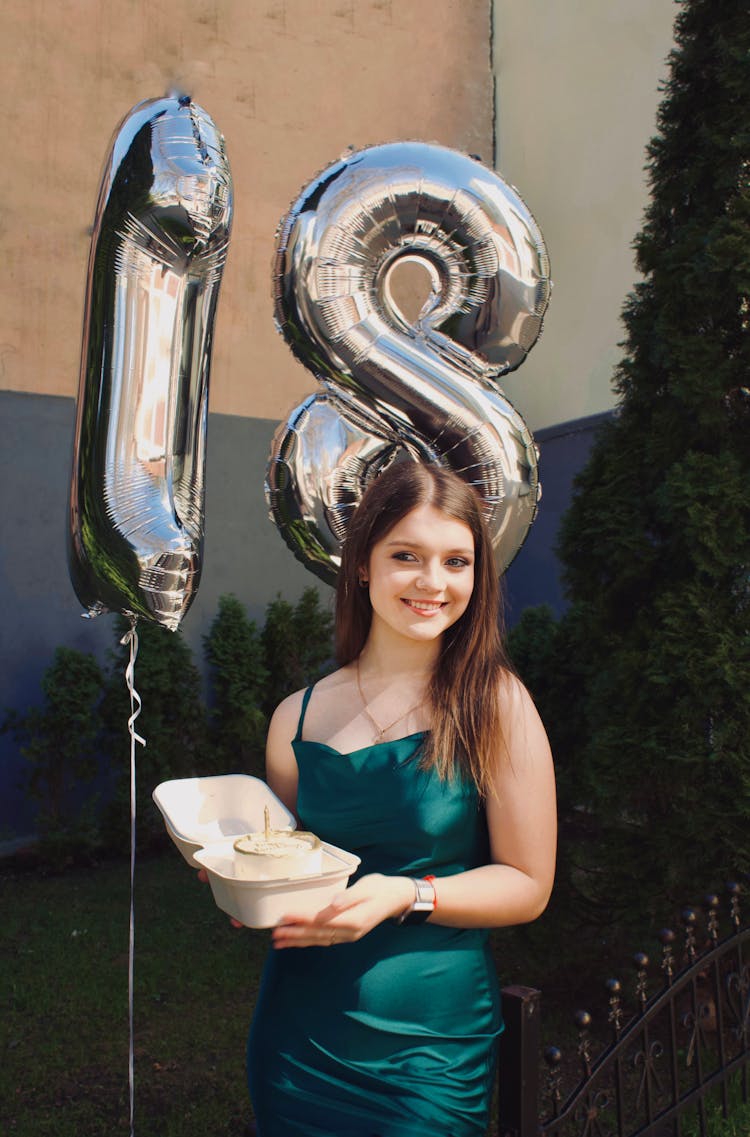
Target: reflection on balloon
x=393 y=387
x=159 y=244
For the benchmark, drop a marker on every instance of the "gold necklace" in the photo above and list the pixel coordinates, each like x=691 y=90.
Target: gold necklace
x=381 y=730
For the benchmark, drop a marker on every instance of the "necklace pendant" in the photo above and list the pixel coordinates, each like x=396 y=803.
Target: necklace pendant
x=381 y=730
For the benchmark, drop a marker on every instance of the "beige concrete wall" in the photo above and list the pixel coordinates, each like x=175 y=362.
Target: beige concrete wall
x=290 y=83
x=577 y=93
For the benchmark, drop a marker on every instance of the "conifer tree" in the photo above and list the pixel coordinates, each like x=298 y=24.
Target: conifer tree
x=656 y=544
x=297 y=645
x=238 y=725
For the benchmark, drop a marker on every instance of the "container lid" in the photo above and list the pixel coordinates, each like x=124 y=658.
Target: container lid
x=206 y=810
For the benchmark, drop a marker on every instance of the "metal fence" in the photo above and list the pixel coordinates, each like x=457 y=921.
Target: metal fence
x=687 y=1040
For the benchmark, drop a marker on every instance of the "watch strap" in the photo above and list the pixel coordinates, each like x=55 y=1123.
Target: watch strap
x=423 y=904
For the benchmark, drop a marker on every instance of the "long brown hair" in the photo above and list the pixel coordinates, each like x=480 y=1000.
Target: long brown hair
x=466 y=732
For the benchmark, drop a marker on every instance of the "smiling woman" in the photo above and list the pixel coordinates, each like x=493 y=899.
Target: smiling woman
x=424 y=755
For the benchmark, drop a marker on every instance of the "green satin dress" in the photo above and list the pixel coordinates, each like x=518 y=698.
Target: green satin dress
x=395 y=1035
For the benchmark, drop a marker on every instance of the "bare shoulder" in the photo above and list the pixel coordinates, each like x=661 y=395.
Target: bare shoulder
x=513 y=696
x=523 y=730
x=335 y=680
x=287 y=714
x=281 y=764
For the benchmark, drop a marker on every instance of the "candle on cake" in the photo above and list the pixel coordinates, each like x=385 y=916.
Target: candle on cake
x=277 y=854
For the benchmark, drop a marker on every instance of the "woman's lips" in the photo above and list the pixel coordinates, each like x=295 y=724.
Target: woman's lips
x=424 y=607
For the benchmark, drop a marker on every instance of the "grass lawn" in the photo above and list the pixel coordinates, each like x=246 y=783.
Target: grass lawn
x=64 y=1004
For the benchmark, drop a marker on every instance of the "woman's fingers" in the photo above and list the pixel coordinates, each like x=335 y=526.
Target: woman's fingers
x=329 y=927
x=289 y=935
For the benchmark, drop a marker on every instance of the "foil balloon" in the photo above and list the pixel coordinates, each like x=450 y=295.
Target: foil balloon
x=424 y=388
x=159 y=244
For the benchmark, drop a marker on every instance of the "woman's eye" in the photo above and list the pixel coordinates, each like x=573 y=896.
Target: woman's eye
x=457 y=562
x=403 y=556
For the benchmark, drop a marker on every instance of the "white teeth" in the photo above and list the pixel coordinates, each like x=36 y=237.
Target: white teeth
x=425 y=605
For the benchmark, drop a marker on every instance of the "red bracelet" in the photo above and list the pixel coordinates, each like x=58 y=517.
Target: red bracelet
x=431 y=879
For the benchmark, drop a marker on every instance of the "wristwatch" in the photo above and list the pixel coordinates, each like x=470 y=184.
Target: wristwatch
x=423 y=904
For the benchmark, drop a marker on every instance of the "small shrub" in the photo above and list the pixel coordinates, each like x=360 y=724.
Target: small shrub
x=172 y=721
x=237 y=724
x=78 y=744
x=61 y=742
x=531 y=646
x=297 y=645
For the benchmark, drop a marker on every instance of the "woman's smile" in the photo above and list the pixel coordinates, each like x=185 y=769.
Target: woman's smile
x=424 y=607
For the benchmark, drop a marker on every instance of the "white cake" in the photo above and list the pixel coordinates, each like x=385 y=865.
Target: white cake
x=277 y=854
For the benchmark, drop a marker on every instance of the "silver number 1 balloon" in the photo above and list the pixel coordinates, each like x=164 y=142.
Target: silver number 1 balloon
x=426 y=389
x=158 y=248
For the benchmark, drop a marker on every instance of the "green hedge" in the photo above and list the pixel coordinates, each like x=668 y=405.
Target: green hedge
x=77 y=743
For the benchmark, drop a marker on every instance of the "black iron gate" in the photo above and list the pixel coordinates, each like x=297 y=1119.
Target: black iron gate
x=689 y=1039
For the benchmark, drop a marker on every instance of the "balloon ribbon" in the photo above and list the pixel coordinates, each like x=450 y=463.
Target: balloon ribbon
x=131 y=639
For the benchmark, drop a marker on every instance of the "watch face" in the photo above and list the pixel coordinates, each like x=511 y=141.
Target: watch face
x=417 y=915
x=425 y=896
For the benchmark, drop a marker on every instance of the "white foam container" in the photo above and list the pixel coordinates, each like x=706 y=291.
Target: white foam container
x=187 y=848
x=199 y=812
x=262 y=903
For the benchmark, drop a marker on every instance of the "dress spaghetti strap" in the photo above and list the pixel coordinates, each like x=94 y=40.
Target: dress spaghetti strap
x=305 y=701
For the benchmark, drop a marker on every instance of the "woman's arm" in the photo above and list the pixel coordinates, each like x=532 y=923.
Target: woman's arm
x=522 y=822
x=513 y=889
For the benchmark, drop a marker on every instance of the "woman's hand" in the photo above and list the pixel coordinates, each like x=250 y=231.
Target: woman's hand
x=349 y=916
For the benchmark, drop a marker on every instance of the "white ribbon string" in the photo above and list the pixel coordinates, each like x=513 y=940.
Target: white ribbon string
x=131 y=638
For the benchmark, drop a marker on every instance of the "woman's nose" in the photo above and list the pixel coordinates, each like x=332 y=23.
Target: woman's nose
x=430 y=578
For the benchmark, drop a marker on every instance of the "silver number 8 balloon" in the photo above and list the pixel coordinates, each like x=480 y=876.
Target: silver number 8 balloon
x=427 y=389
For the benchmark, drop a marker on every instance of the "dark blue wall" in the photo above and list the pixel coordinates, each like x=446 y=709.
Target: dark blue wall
x=533 y=577
x=244 y=554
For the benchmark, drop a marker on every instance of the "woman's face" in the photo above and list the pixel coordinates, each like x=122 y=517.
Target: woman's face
x=421 y=574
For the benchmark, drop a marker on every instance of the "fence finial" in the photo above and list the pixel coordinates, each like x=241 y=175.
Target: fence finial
x=710 y=906
x=614 y=987
x=667 y=938
x=553 y=1058
x=734 y=904
x=582 y=1019
x=689 y=920
x=640 y=960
